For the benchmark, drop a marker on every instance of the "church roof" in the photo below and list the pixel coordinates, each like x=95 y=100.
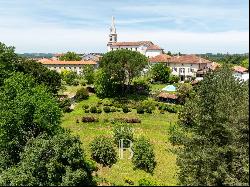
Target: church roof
x=154 y=47
x=147 y=43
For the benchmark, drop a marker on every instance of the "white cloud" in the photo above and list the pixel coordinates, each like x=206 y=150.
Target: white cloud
x=55 y=39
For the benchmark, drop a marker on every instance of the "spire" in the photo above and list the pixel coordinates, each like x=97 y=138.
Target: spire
x=113 y=29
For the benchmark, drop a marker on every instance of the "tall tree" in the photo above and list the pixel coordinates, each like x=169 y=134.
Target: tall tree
x=70 y=56
x=88 y=73
x=161 y=72
x=121 y=66
x=216 y=120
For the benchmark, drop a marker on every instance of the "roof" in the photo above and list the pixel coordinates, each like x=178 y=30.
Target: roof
x=167 y=95
x=240 y=69
x=147 y=43
x=214 y=65
x=154 y=47
x=160 y=58
x=57 y=62
x=189 y=59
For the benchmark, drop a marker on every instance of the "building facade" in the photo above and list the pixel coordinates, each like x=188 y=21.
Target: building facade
x=59 y=66
x=186 y=66
x=147 y=48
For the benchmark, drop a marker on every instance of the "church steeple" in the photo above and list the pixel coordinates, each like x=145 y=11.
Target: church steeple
x=112 y=34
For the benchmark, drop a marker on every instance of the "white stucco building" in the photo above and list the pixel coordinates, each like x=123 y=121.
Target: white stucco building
x=185 y=66
x=147 y=48
x=240 y=73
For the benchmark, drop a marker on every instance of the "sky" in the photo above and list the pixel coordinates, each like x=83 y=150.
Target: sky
x=186 y=26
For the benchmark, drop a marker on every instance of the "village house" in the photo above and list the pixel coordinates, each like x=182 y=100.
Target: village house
x=241 y=73
x=147 y=48
x=57 y=65
x=185 y=66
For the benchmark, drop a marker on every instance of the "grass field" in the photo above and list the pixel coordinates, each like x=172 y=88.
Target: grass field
x=153 y=126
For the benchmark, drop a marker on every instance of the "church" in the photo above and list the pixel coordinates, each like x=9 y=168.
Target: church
x=147 y=48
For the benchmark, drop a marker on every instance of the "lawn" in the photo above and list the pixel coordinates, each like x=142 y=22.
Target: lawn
x=153 y=126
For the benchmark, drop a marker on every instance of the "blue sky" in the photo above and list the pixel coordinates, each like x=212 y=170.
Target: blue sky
x=187 y=26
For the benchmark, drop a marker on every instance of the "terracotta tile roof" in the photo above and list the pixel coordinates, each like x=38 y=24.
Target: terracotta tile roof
x=240 y=69
x=190 y=59
x=215 y=65
x=160 y=58
x=167 y=95
x=57 y=62
x=147 y=43
x=154 y=47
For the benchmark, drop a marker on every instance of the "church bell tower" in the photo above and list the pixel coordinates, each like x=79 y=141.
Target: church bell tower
x=112 y=34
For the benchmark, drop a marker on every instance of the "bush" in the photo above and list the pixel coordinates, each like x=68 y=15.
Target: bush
x=65 y=105
x=176 y=135
x=82 y=82
x=171 y=108
x=102 y=151
x=89 y=119
x=99 y=111
x=86 y=111
x=149 y=105
x=141 y=86
x=107 y=102
x=140 y=110
x=174 y=79
x=113 y=109
x=146 y=182
x=93 y=109
x=106 y=109
x=124 y=132
x=81 y=94
x=125 y=109
x=85 y=106
x=128 y=181
x=75 y=82
x=144 y=157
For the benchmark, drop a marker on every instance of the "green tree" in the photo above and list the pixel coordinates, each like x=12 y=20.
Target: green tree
x=120 y=67
x=184 y=91
x=88 y=73
x=10 y=62
x=216 y=121
x=161 y=72
x=70 y=77
x=26 y=110
x=70 y=56
x=50 y=161
x=245 y=63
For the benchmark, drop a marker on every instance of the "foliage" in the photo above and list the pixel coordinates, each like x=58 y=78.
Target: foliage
x=70 y=56
x=141 y=85
x=69 y=77
x=102 y=151
x=125 y=109
x=216 y=152
x=81 y=94
x=245 y=63
x=118 y=68
x=89 y=119
x=26 y=111
x=176 y=135
x=10 y=62
x=148 y=105
x=106 y=109
x=184 y=91
x=65 y=105
x=88 y=73
x=85 y=106
x=140 y=109
x=174 y=79
x=147 y=182
x=144 y=157
x=50 y=161
x=161 y=72
x=93 y=109
x=123 y=132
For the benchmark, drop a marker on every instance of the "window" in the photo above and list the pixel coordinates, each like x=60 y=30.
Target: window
x=175 y=69
x=136 y=48
x=182 y=70
x=188 y=70
x=192 y=70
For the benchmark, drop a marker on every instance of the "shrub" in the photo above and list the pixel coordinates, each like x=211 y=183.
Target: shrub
x=113 y=109
x=89 y=119
x=85 y=106
x=106 y=109
x=99 y=111
x=144 y=157
x=124 y=132
x=171 y=108
x=141 y=86
x=86 y=111
x=107 y=102
x=82 y=82
x=125 y=109
x=176 y=135
x=102 y=151
x=146 y=182
x=128 y=181
x=93 y=109
x=149 y=105
x=174 y=79
x=65 y=105
x=77 y=120
x=75 y=82
x=81 y=94
x=140 y=110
